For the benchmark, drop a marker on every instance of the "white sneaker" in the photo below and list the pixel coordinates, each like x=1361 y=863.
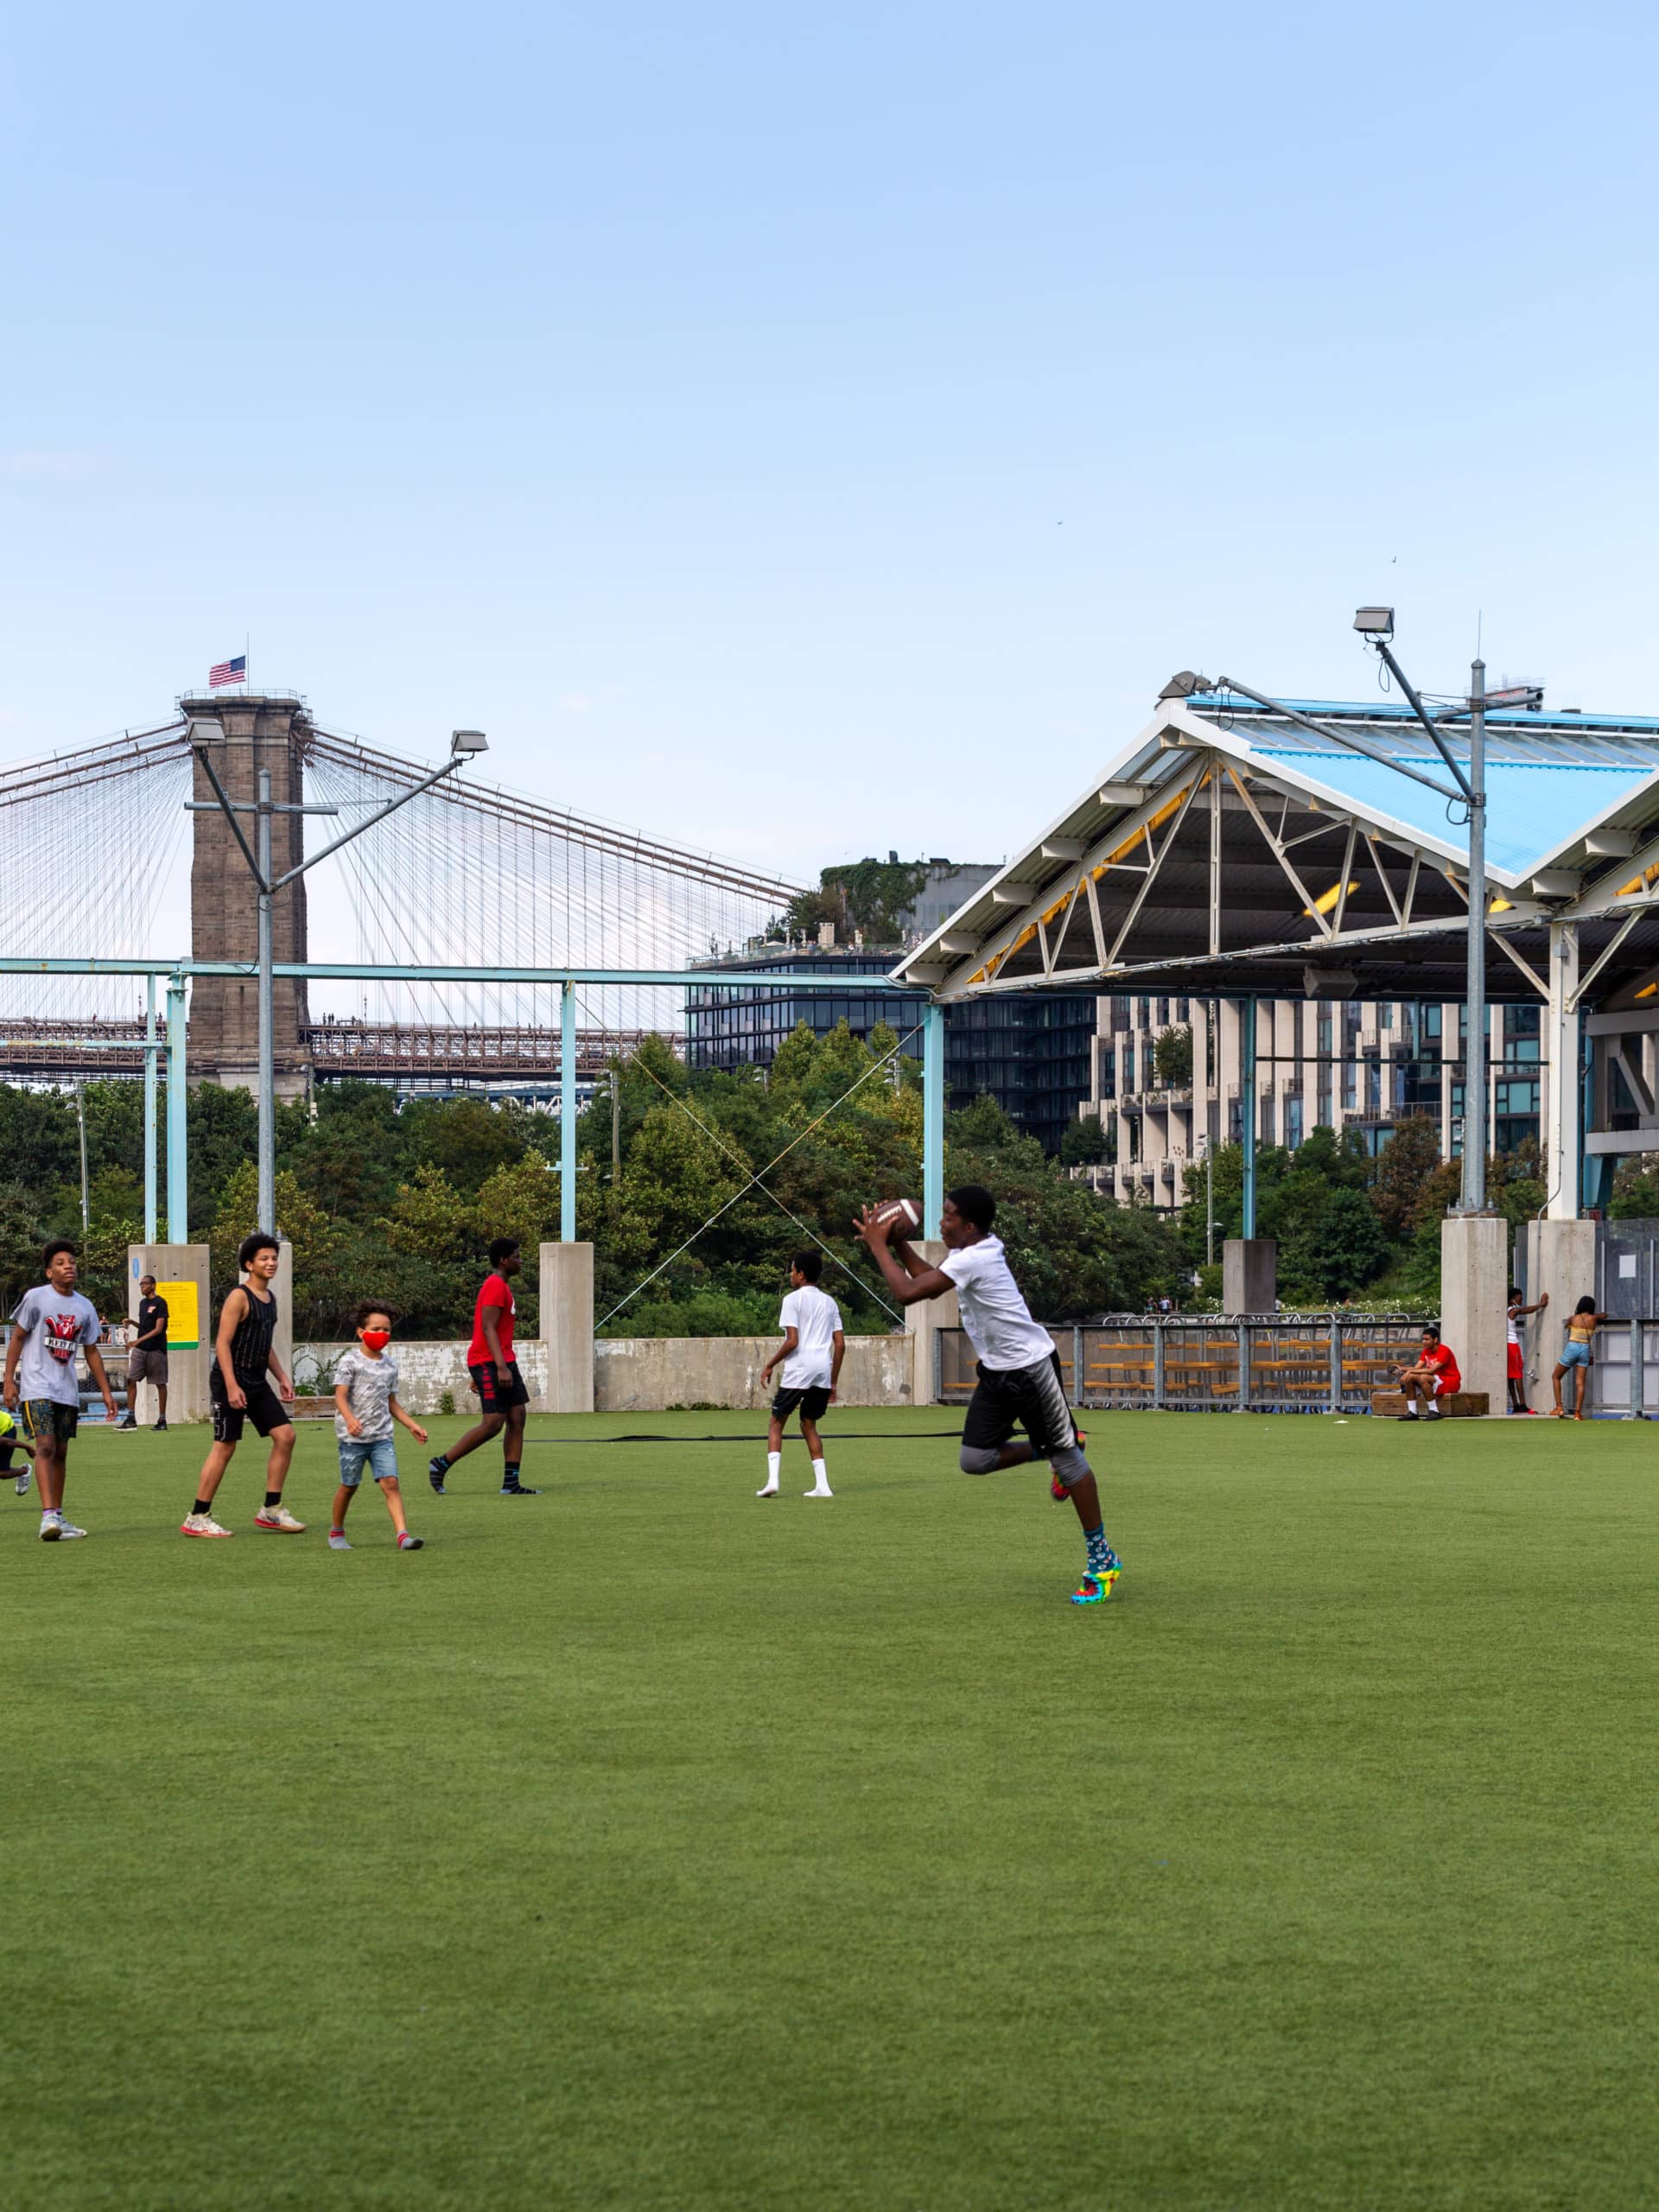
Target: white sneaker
x=202 y=1524
x=337 y=1540
x=67 y=1529
x=279 y=1516
x=24 y=1480
x=51 y=1527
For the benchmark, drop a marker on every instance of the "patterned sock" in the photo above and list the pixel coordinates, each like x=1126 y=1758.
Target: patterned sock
x=510 y=1475
x=1099 y=1553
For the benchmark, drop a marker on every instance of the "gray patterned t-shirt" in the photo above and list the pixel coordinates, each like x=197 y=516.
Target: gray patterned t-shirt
x=369 y=1386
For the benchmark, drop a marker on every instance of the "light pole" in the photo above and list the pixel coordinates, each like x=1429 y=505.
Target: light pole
x=203 y=735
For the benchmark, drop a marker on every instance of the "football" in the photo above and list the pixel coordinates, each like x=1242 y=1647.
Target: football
x=900 y=1216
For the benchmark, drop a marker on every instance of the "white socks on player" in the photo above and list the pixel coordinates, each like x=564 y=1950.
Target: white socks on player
x=774 y=1465
x=820 y=1483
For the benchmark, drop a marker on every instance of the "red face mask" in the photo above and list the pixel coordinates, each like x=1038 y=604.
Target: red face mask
x=375 y=1339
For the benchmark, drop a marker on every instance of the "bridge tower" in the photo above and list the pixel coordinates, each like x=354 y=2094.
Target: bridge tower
x=268 y=732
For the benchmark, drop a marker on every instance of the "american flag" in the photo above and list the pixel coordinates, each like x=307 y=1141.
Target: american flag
x=228 y=671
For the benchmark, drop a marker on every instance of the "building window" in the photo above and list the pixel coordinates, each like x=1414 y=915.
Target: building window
x=1292 y=1122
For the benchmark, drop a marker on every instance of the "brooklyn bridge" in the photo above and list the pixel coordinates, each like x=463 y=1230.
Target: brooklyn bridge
x=101 y=856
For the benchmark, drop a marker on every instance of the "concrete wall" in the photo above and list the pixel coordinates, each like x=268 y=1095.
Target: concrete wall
x=642 y=1374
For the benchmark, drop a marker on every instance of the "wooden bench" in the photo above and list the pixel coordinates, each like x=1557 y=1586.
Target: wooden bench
x=1458 y=1405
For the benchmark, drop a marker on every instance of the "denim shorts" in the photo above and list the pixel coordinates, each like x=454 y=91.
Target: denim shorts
x=381 y=1455
x=1575 y=1356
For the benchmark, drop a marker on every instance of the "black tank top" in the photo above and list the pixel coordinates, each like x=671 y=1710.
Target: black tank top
x=250 y=1342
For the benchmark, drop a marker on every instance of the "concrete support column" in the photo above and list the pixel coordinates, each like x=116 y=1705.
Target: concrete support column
x=1474 y=1291
x=281 y=1289
x=567 y=1304
x=923 y=1322
x=181 y=1273
x=1563 y=1049
x=1561 y=1262
x=1250 y=1274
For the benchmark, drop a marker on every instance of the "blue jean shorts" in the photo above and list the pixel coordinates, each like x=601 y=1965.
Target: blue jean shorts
x=381 y=1455
x=1575 y=1356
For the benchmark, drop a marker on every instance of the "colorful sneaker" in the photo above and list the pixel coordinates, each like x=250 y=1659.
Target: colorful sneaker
x=1097 y=1586
x=278 y=1517
x=202 y=1524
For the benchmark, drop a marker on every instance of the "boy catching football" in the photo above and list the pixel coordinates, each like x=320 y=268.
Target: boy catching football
x=1019 y=1373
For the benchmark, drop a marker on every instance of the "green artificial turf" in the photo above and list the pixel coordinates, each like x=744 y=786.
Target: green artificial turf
x=643 y=1845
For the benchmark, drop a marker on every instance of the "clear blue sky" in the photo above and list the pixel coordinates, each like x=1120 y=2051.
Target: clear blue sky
x=803 y=431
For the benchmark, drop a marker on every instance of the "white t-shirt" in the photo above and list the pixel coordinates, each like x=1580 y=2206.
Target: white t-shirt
x=815 y=1316
x=1514 y=1331
x=995 y=1316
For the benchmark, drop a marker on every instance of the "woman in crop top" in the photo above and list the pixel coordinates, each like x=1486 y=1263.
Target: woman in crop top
x=1581 y=1327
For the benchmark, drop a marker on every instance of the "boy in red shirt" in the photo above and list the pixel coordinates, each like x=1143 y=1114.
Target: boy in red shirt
x=1434 y=1376
x=500 y=1386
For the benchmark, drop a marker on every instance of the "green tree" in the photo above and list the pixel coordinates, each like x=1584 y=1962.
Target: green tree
x=1172 y=1055
x=1407 y=1165
x=1084 y=1143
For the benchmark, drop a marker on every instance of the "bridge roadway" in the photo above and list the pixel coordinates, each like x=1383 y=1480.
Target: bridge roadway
x=56 y=1051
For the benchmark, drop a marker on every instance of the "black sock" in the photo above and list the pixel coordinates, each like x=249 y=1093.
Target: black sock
x=205 y=1507
x=272 y=1497
x=509 y=1475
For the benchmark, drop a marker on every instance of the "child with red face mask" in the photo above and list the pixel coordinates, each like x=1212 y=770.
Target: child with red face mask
x=365 y=1406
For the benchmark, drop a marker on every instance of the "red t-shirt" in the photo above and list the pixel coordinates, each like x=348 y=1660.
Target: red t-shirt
x=1444 y=1364
x=497 y=1292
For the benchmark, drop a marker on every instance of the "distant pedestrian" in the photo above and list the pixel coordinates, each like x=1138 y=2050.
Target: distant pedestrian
x=1518 y=1313
x=1576 y=1358
x=501 y=1392
x=147 y=1358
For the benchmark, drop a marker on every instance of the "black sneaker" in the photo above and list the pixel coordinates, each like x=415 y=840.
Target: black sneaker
x=517 y=1490
x=160 y=1428
x=127 y=1422
x=435 y=1472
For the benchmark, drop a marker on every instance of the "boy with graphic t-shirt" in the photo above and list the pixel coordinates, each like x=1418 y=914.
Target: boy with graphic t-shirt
x=50 y=1325
x=500 y=1386
x=365 y=1406
x=811 y=1354
x=1019 y=1370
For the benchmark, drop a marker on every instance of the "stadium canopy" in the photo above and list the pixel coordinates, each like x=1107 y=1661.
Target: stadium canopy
x=1229 y=851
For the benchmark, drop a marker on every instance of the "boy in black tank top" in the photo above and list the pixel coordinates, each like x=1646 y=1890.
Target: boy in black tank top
x=240 y=1390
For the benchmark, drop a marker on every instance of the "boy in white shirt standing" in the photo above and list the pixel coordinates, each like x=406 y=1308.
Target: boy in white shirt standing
x=365 y=1406
x=1019 y=1372
x=811 y=1354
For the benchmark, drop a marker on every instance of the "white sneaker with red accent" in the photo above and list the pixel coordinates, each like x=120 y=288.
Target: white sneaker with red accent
x=202 y=1524
x=279 y=1516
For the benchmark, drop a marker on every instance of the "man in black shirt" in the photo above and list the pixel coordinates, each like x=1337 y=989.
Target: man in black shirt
x=147 y=1359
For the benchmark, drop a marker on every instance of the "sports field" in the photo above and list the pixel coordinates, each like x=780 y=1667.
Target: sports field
x=641 y=1845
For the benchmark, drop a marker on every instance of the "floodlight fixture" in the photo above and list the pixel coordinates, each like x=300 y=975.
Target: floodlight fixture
x=1374 y=621
x=203 y=729
x=469 y=741
x=1184 y=684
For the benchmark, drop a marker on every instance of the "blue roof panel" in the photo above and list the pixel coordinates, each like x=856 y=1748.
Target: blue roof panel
x=1530 y=811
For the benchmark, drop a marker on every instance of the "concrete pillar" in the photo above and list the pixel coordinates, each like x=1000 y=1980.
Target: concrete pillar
x=923 y=1322
x=282 y=1287
x=181 y=1273
x=1474 y=1297
x=567 y=1304
x=1250 y=1274
x=1561 y=1261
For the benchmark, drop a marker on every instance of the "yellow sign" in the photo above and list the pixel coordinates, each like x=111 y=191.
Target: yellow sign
x=183 y=1315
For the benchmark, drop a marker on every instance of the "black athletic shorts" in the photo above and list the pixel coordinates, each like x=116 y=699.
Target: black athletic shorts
x=814 y=1402
x=494 y=1395
x=265 y=1410
x=1032 y=1398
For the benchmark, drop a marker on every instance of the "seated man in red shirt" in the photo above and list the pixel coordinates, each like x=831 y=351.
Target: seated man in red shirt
x=1434 y=1374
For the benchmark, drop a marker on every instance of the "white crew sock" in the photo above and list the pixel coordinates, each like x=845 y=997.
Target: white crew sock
x=820 y=1482
x=774 y=1465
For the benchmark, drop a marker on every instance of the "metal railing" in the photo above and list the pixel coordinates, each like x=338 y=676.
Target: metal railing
x=1256 y=1362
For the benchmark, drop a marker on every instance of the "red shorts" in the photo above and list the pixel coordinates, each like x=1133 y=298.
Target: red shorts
x=1517 y=1372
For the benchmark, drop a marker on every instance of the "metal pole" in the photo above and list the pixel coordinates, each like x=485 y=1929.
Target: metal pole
x=149 y=1109
x=932 y=1119
x=1208 y=1201
x=568 y=1113
x=267 y=1217
x=1247 y=1108
x=80 y=1116
x=1474 y=1058
x=178 y=1173
x=616 y=1120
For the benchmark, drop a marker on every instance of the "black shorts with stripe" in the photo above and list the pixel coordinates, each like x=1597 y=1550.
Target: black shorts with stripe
x=1032 y=1398
x=265 y=1410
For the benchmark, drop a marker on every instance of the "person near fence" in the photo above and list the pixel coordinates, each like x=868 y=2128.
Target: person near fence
x=1435 y=1375
x=1518 y=1313
x=1576 y=1357
x=1020 y=1383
